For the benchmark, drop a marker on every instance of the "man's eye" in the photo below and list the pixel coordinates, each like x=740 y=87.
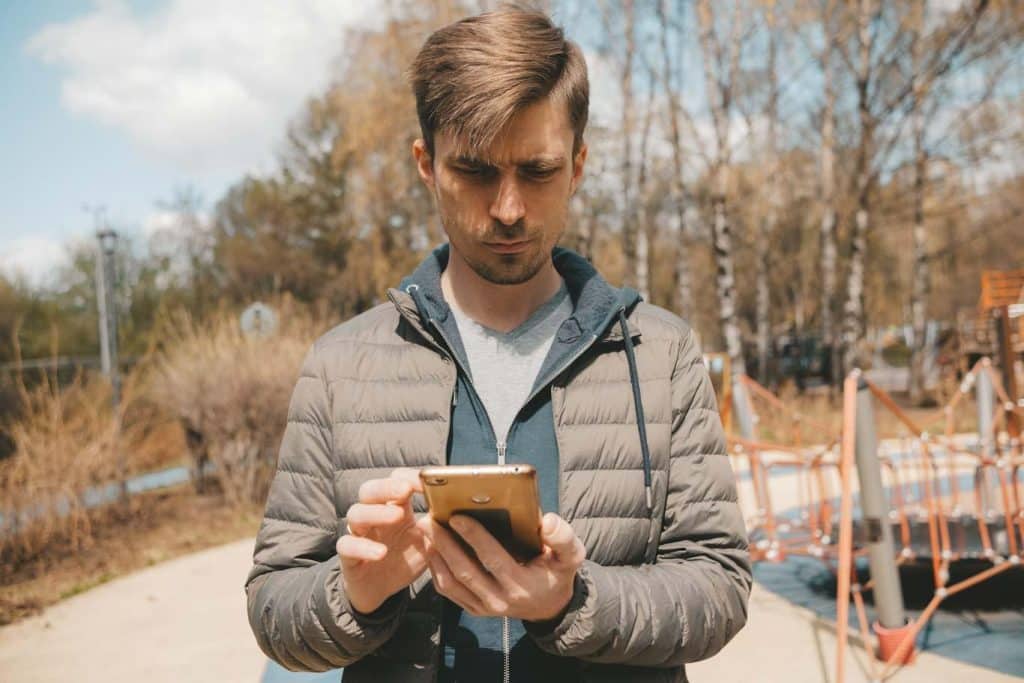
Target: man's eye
x=540 y=173
x=474 y=171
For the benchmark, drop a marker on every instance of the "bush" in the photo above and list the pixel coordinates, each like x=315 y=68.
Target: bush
x=231 y=392
x=65 y=443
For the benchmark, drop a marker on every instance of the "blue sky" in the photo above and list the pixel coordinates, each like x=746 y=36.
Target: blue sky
x=120 y=103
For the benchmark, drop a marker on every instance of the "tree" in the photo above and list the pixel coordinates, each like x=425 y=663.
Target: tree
x=720 y=70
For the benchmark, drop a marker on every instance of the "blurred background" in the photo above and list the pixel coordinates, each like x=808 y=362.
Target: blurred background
x=194 y=191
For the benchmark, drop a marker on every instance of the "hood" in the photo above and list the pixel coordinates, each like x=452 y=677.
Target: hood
x=595 y=302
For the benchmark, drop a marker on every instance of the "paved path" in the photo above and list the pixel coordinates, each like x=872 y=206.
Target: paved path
x=184 y=620
x=179 y=621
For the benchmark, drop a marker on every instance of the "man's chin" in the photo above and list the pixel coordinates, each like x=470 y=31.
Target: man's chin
x=509 y=269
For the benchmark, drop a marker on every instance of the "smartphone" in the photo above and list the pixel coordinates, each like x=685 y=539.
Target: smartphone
x=503 y=498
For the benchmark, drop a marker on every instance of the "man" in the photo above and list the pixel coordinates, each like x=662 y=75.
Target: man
x=502 y=347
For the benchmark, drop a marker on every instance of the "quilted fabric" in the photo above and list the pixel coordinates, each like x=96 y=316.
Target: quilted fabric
x=656 y=591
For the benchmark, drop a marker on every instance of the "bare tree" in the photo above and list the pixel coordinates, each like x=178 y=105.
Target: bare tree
x=682 y=275
x=853 y=309
x=827 y=188
x=629 y=223
x=919 y=295
x=767 y=223
x=644 y=224
x=720 y=72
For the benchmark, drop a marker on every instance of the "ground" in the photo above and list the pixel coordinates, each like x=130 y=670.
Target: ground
x=164 y=524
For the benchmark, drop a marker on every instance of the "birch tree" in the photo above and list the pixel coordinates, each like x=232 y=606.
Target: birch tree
x=767 y=223
x=919 y=295
x=720 y=70
x=827 y=189
x=676 y=110
x=853 y=309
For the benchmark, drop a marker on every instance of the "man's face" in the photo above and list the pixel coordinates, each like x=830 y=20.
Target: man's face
x=504 y=210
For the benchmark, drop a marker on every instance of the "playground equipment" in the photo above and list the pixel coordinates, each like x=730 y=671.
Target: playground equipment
x=931 y=496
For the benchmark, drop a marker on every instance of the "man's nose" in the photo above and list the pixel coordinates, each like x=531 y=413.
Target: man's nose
x=508 y=206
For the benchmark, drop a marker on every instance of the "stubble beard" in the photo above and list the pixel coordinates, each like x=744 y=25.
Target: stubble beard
x=514 y=269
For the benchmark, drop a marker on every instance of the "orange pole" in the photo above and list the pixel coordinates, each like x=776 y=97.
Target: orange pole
x=845 y=522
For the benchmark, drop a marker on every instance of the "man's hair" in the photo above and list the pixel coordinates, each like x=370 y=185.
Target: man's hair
x=471 y=77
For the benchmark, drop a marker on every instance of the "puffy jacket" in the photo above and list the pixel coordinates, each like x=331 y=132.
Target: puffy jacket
x=667 y=575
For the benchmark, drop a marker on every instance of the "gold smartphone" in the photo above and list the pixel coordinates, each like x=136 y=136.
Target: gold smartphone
x=503 y=498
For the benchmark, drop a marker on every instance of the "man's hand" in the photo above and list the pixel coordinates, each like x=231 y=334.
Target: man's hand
x=384 y=550
x=498 y=585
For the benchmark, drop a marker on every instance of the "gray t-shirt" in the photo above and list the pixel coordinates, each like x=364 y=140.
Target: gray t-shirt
x=504 y=365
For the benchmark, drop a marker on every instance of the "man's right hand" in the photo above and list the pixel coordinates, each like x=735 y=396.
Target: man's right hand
x=385 y=548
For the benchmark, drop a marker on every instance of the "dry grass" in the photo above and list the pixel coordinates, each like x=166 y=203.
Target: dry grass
x=207 y=376
x=233 y=390
x=158 y=526
x=64 y=444
x=67 y=441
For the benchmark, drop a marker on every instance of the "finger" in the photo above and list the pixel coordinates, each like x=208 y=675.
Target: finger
x=493 y=556
x=362 y=518
x=560 y=537
x=447 y=585
x=375 y=491
x=355 y=549
x=410 y=475
x=465 y=569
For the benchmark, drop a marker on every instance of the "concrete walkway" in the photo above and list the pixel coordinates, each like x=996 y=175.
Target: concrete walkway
x=184 y=620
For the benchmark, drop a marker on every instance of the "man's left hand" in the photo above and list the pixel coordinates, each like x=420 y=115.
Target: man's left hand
x=496 y=584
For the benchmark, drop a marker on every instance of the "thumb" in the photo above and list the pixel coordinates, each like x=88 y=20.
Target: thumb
x=559 y=536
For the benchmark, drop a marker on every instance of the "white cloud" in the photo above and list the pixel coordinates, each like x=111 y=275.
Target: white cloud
x=170 y=222
x=205 y=85
x=37 y=259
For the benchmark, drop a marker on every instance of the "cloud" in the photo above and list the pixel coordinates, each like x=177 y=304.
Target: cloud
x=205 y=85
x=36 y=259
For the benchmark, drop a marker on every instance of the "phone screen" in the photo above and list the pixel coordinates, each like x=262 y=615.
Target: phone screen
x=499 y=524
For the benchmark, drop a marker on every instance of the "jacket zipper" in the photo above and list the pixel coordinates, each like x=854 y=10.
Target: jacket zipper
x=502 y=449
x=505 y=636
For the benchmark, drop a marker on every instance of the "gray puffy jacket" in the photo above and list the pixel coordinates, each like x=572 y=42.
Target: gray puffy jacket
x=659 y=588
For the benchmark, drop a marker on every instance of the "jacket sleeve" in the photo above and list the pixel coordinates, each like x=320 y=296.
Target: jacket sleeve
x=688 y=604
x=296 y=604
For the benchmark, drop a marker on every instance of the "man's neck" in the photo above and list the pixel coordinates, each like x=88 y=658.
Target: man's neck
x=499 y=307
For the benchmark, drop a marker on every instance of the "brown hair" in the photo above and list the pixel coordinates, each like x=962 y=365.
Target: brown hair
x=471 y=77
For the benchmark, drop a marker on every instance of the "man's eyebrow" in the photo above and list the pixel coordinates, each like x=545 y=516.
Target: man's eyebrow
x=543 y=163
x=539 y=162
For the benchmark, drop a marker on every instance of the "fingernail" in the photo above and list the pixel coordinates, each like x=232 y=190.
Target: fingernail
x=549 y=524
x=458 y=523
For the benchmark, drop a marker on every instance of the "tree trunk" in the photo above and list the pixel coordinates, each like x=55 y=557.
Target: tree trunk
x=828 y=201
x=681 y=275
x=763 y=296
x=629 y=225
x=919 y=292
x=719 y=97
x=644 y=228
x=853 y=311
x=767 y=224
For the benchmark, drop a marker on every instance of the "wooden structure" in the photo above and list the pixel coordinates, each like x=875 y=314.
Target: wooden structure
x=1000 y=289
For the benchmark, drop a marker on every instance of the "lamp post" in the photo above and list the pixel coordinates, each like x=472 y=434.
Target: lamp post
x=106 y=301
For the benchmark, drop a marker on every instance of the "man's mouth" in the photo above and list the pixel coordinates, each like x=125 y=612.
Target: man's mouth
x=508 y=247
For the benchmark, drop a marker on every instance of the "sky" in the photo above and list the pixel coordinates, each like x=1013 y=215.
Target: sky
x=119 y=104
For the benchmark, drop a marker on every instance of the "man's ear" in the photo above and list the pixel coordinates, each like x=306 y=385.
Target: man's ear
x=577 y=168
x=424 y=162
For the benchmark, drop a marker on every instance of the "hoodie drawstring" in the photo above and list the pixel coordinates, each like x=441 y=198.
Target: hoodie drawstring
x=641 y=423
